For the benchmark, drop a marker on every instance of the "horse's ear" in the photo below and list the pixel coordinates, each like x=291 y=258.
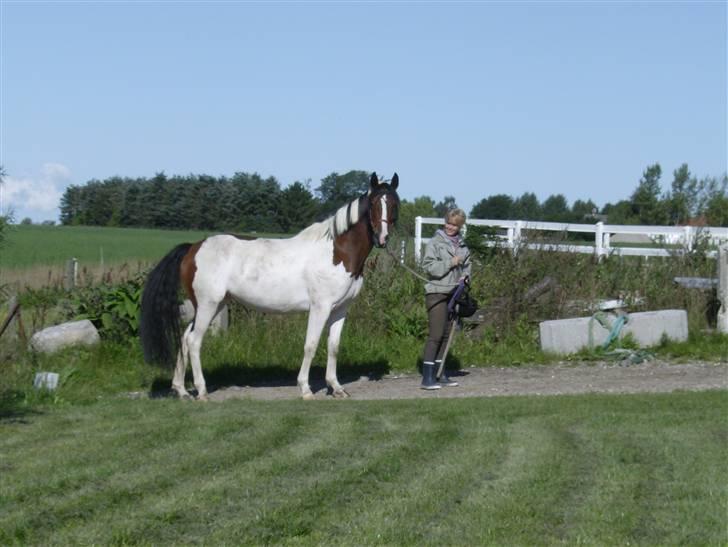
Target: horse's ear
x=373 y=181
x=395 y=181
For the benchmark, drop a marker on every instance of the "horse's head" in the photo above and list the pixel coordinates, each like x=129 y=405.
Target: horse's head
x=383 y=207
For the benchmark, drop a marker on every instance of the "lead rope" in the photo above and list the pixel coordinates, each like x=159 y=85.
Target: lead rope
x=410 y=270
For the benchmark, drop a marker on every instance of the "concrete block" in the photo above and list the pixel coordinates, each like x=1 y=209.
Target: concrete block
x=723 y=288
x=219 y=323
x=74 y=333
x=566 y=336
x=46 y=380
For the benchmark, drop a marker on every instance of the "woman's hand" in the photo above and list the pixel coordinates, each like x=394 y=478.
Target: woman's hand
x=456 y=261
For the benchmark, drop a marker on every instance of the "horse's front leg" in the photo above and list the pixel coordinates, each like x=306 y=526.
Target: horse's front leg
x=336 y=325
x=316 y=320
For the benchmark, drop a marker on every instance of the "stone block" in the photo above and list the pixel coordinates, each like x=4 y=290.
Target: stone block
x=566 y=336
x=46 y=380
x=67 y=334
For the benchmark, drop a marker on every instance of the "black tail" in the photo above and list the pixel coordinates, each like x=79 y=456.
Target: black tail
x=159 y=328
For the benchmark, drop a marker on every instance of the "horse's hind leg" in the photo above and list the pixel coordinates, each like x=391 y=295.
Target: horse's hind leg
x=203 y=317
x=316 y=320
x=336 y=325
x=183 y=357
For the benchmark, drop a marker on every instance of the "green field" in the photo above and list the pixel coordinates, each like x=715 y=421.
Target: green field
x=593 y=469
x=28 y=246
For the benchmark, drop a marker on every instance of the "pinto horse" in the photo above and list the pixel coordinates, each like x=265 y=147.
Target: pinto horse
x=320 y=270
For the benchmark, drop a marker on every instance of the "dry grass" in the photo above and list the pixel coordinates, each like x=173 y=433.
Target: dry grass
x=53 y=276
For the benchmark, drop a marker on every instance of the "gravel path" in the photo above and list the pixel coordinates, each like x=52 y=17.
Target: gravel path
x=558 y=379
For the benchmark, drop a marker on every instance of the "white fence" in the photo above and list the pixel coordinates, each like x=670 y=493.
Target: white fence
x=515 y=236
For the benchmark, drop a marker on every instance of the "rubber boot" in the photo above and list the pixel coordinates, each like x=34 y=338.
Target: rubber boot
x=443 y=379
x=428 y=377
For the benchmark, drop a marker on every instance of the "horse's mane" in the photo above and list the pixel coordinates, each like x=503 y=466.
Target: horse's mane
x=342 y=220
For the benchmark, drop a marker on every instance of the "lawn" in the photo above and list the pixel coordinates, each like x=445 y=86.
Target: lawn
x=594 y=469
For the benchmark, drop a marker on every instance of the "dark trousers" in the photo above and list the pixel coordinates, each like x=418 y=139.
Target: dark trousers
x=439 y=327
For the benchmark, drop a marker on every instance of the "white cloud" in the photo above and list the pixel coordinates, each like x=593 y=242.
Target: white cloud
x=37 y=197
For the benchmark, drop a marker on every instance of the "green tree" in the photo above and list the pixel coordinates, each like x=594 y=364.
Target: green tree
x=336 y=190
x=297 y=207
x=556 y=209
x=445 y=205
x=619 y=213
x=256 y=202
x=498 y=207
x=583 y=210
x=715 y=201
x=527 y=207
x=646 y=203
x=423 y=206
x=681 y=203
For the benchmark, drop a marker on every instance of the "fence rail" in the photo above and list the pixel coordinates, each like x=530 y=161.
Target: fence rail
x=516 y=236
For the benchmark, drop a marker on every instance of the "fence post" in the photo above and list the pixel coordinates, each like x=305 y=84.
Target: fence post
x=418 y=238
x=599 y=240
x=517 y=236
x=723 y=288
x=688 y=238
x=71 y=277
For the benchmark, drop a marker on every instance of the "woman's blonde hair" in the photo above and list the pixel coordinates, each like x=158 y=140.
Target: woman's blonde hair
x=455 y=216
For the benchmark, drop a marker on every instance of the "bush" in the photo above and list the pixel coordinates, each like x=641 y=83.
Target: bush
x=113 y=309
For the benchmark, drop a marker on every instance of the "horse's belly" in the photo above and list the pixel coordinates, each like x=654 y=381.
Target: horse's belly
x=271 y=297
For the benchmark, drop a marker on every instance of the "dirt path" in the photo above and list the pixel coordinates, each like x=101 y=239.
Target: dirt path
x=562 y=378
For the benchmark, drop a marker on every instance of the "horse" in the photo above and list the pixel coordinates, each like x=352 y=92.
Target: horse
x=319 y=270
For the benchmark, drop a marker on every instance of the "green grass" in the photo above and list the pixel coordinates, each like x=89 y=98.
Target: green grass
x=28 y=246
x=637 y=469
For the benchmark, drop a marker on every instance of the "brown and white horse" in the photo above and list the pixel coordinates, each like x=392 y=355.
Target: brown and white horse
x=319 y=270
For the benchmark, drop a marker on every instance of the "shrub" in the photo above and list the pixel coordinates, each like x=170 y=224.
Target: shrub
x=113 y=309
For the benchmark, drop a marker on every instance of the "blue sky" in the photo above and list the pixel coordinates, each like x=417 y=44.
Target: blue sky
x=463 y=99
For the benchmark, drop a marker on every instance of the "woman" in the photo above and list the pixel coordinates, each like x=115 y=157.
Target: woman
x=447 y=262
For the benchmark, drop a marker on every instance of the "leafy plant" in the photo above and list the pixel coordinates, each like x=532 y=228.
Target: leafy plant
x=114 y=310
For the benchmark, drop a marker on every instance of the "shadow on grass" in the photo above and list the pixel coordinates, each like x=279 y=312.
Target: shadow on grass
x=12 y=408
x=230 y=374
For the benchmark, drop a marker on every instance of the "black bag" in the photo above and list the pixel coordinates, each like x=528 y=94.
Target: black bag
x=466 y=305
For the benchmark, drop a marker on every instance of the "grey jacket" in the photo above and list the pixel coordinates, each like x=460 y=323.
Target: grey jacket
x=437 y=263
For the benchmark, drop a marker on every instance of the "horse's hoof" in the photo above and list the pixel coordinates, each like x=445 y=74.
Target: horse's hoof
x=202 y=398
x=185 y=397
x=341 y=394
x=308 y=396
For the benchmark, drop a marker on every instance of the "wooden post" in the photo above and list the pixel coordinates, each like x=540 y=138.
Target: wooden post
x=722 y=325
x=70 y=279
x=13 y=307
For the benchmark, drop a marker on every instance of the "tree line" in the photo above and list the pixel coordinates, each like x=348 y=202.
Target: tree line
x=248 y=202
